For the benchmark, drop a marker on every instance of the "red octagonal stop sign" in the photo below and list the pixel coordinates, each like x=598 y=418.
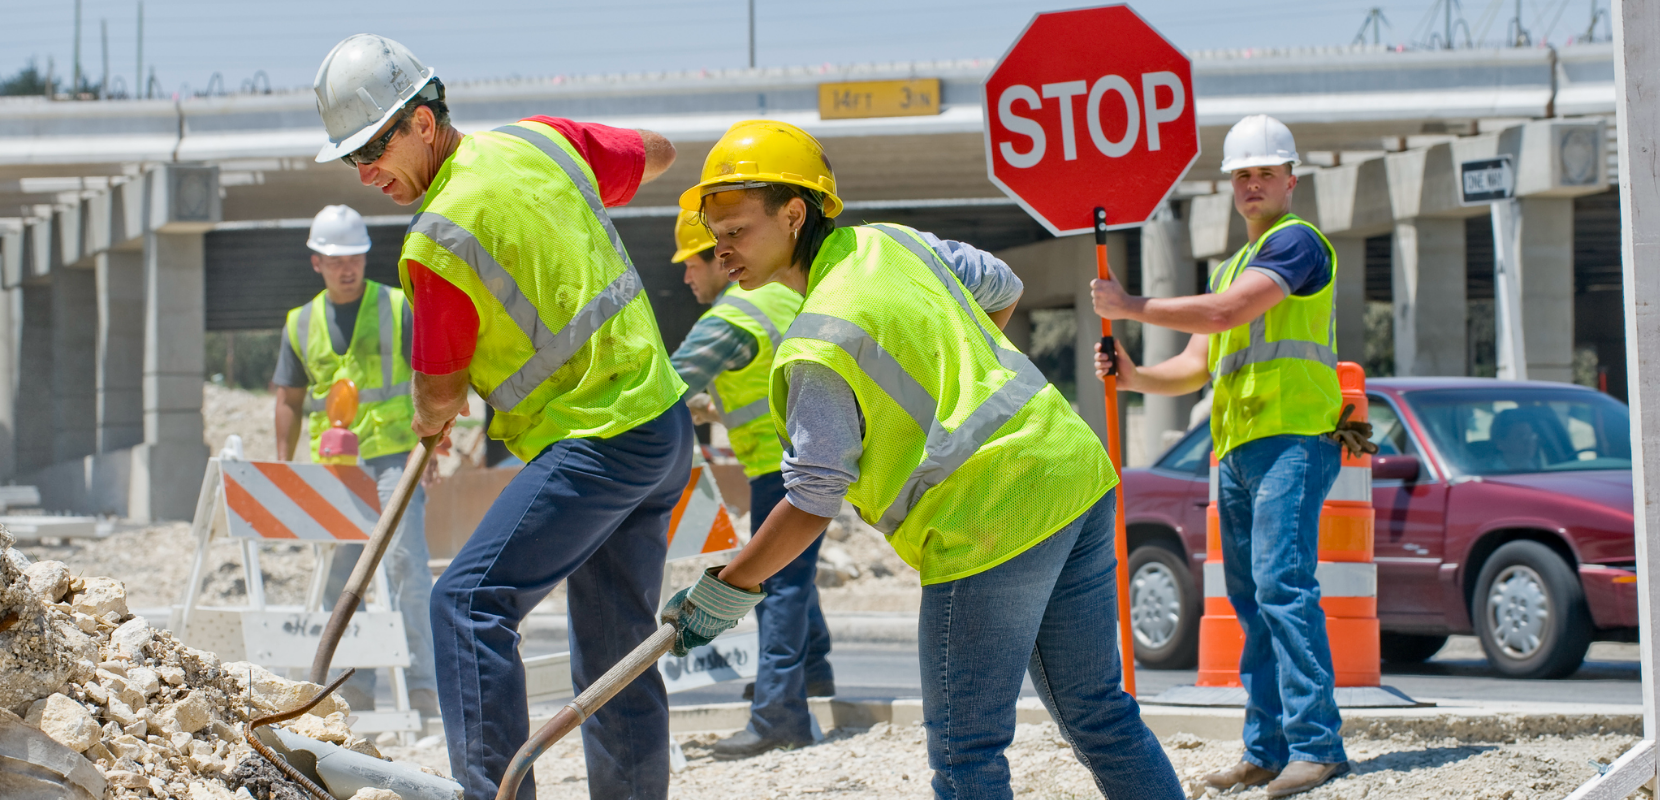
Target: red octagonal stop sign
x=1090 y=108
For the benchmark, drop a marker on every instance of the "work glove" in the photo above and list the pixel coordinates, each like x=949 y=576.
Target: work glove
x=1354 y=435
x=706 y=610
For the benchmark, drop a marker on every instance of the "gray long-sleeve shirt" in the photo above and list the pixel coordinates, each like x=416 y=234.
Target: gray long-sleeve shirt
x=823 y=420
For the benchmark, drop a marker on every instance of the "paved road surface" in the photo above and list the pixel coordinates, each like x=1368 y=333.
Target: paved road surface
x=1610 y=675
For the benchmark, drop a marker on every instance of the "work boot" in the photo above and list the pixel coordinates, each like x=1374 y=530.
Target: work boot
x=1301 y=776
x=814 y=689
x=1244 y=773
x=747 y=743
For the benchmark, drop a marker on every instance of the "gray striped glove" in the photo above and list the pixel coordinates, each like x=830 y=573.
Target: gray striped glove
x=708 y=609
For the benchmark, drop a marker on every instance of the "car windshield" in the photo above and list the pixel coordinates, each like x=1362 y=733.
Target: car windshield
x=1510 y=430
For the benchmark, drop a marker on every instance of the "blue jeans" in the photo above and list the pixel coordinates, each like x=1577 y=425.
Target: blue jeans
x=1051 y=611
x=1270 y=494
x=406 y=571
x=794 y=638
x=595 y=514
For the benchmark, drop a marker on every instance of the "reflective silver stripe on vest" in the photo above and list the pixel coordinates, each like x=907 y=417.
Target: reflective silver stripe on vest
x=313 y=405
x=553 y=348
x=1336 y=578
x=945 y=451
x=383 y=314
x=750 y=310
x=740 y=417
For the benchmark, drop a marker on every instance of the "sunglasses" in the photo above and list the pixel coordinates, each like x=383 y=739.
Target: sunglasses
x=372 y=150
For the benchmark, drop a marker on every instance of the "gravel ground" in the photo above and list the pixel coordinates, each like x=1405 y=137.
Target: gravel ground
x=889 y=762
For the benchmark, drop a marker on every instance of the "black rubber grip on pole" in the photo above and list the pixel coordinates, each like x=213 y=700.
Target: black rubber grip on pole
x=1112 y=355
x=1100 y=225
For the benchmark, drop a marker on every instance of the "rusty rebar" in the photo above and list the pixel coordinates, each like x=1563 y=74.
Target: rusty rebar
x=278 y=761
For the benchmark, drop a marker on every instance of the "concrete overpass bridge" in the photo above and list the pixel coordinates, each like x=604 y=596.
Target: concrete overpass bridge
x=129 y=228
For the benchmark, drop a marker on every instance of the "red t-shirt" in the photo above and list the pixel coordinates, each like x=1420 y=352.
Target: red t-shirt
x=445 y=323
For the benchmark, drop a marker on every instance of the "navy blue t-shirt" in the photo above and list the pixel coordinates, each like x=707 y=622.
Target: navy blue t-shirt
x=1296 y=259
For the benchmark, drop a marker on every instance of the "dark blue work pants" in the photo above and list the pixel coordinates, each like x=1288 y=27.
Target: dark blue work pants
x=594 y=513
x=794 y=639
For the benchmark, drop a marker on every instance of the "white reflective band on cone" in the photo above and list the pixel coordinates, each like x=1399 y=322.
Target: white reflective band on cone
x=1337 y=579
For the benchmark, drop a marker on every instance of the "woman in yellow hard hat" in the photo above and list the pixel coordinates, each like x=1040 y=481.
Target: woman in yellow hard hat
x=896 y=390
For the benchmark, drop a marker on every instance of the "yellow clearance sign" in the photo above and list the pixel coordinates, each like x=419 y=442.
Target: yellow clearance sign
x=862 y=99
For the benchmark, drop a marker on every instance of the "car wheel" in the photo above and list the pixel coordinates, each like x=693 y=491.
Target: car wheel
x=1530 y=613
x=1164 y=609
x=1409 y=648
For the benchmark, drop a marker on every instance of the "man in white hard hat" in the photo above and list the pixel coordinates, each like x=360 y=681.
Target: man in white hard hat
x=522 y=289
x=1264 y=336
x=359 y=330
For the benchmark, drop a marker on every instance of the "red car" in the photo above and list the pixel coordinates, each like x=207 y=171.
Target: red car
x=1504 y=509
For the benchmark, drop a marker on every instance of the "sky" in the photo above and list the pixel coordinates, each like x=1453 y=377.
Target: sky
x=187 y=41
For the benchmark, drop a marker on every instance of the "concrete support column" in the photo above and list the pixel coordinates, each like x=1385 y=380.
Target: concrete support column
x=1019 y=329
x=11 y=308
x=33 y=406
x=1167 y=270
x=1349 y=300
x=1091 y=391
x=74 y=337
x=1430 y=309
x=167 y=467
x=1547 y=284
x=120 y=350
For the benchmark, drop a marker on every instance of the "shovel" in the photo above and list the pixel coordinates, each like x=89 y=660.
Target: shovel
x=358 y=584
x=583 y=707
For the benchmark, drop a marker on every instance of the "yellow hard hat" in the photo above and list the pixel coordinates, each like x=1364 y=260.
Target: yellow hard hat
x=760 y=151
x=691 y=236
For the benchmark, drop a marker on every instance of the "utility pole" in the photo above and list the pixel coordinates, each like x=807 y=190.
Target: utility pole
x=138 y=76
x=751 y=33
x=1518 y=35
x=75 y=88
x=1375 y=21
x=104 y=31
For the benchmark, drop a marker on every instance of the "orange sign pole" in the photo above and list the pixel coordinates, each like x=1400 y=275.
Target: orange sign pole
x=1115 y=451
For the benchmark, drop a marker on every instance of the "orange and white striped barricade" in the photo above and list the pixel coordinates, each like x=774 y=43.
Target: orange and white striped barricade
x=699 y=526
x=260 y=503
x=1348 y=588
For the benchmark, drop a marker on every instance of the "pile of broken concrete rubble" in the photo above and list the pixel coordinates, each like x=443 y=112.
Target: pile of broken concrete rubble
x=151 y=717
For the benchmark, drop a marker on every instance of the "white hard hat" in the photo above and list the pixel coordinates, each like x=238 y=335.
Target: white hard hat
x=1258 y=141
x=338 y=231
x=363 y=82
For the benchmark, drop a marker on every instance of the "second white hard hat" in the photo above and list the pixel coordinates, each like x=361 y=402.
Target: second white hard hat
x=1258 y=141
x=338 y=231
x=363 y=82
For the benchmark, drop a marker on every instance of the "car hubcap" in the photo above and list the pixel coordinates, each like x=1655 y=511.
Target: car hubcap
x=1518 y=612
x=1155 y=605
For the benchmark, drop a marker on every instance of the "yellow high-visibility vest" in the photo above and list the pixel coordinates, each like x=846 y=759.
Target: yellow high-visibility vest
x=567 y=343
x=1276 y=374
x=970 y=455
x=742 y=393
x=373 y=361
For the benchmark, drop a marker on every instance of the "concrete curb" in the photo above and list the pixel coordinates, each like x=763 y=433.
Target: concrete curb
x=1485 y=722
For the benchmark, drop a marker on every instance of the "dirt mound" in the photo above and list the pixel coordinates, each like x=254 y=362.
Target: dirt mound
x=158 y=719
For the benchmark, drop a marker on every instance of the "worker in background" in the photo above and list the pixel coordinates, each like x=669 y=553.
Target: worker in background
x=729 y=351
x=1265 y=338
x=521 y=288
x=896 y=390
x=359 y=330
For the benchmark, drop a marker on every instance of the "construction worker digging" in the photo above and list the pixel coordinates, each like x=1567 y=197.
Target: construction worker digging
x=895 y=389
x=521 y=288
x=730 y=352
x=359 y=330
x=1265 y=338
